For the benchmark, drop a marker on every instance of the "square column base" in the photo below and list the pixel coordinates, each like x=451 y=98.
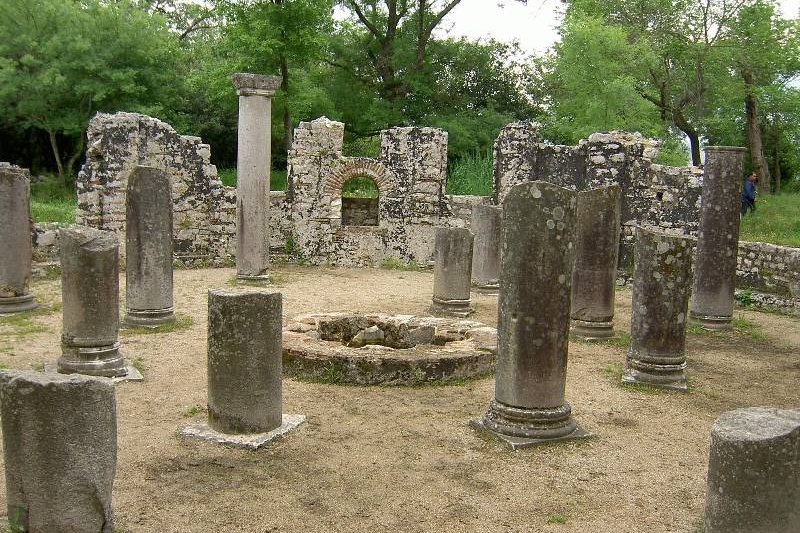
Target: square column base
x=131 y=373
x=517 y=443
x=253 y=441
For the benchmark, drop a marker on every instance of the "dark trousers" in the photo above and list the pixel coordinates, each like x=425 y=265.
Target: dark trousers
x=748 y=205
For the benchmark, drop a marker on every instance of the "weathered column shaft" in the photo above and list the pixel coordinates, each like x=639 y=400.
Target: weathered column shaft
x=253 y=173
x=452 y=273
x=244 y=361
x=487 y=226
x=533 y=315
x=148 y=269
x=60 y=446
x=754 y=472
x=15 y=240
x=594 y=276
x=90 y=296
x=718 y=237
x=662 y=278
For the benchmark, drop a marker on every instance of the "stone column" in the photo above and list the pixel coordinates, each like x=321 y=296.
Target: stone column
x=486 y=225
x=245 y=368
x=15 y=240
x=754 y=472
x=662 y=277
x=252 y=174
x=60 y=447
x=533 y=317
x=452 y=273
x=90 y=296
x=595 y=274
x=718 y=237
x=148 y=246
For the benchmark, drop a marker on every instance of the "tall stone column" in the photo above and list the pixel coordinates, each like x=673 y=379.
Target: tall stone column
x=486 y=225
x=452 y=272
x=245 y=368
x=754 y=472
x=60 y=447
x=252 y=174
x=595 y=274
x=15 y=240
x=718 y=237
x=90 y=302
x=662 y=277
x=148 y=246
x=538 y=250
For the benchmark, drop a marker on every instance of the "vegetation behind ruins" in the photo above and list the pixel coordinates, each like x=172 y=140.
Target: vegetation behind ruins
x=688 y=72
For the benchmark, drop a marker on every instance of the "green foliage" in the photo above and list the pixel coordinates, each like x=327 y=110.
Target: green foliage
x=277 y=178
x=392 y=263
x=360 y=187
x=191 y=411
x=471 y=174
x=776 y=220
x=744 y=298
x=557 y=518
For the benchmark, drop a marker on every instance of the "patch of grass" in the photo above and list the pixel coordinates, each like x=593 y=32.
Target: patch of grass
x=22 y=324
x=191 y=410
x=745 y=327
x=776 y=220
x=392 y=263
x=613 y=371
x=471 y=174
x=3 y=366
x=181 y=322
x=53 y=201
x=557 y=518
x=333 y=373
x=138 y=364
x=744 y=298
x=277 y=178
x=360 y=187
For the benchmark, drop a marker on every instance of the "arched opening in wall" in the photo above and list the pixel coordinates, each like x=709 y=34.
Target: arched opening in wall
x=360 y=202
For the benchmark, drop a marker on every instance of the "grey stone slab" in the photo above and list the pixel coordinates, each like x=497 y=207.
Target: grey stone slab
x=132 y=373
x=202 y=431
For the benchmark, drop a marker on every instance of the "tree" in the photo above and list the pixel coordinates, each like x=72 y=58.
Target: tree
x=62 y=61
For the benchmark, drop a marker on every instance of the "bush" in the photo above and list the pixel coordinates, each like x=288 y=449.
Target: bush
x=471 y=174
x=52 y=201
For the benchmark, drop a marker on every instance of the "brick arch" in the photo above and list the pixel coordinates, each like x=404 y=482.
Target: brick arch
x=355 y=167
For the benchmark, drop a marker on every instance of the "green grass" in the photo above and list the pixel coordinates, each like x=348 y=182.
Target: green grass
x=191 y=410
x=776 y=220
x=471 y=174
x=181 y=322
x=138 y=364
x=613 y=371
x=360 y=187
x=277 y=178
x=741 y=326
x=392 y=263
x=557 y=518
x=23 y=324
x=52 y=201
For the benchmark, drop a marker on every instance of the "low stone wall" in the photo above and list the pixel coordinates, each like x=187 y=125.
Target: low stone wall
x=769 y=268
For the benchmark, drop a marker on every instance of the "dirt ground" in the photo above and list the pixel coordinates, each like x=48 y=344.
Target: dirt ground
x=404 y=459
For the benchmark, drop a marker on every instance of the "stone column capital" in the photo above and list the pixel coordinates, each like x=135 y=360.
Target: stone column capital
x=248 y=84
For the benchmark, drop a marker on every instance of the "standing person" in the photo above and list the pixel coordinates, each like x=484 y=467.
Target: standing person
x=749 y=193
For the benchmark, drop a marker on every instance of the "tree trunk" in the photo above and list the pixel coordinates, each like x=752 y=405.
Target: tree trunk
x=694 y=138
x=287 y=113
x=76 y=154
x=56 y=153
x=776 y=162
x=754 y=133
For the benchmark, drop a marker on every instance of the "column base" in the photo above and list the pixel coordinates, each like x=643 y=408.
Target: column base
x=105 y=361
x=523 y=428
x=710 y=322
x=457 y=308
x=131 y=373
x=591 y=331
x=490 y=288
x=664 y=376
x=252 y=441
x=17 y=304
x=148 y=318
x=253 y=279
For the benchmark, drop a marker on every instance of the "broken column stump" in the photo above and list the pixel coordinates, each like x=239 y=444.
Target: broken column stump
x=754 y=472
x=452 y=272
x=60 y=446
x=15 y=240
x=486 y=225
x=529 y=408
x=148 y=249
x=244 y=370
x=662 y=278
x=594 y=276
